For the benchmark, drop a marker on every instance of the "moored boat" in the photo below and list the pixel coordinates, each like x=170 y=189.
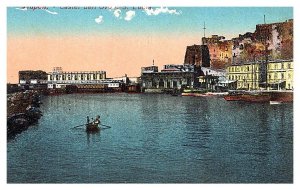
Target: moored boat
x=234 y=96
x=256 y=97
x=282 y=96
x=248 y=97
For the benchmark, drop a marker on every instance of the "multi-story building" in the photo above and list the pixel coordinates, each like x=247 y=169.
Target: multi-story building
x=259 y=75
x=170 y=77
x=280 y=75
x=248 y=76
x=213 y=79
x=60 y=79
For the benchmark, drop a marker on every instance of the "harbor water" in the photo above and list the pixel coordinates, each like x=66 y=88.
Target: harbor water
x=154 y=138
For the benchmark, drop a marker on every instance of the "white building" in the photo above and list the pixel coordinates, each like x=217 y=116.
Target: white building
x=60 y=79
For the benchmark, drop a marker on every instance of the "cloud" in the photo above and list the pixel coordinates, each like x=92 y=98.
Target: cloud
x=22 y=9
x=51 y=12
x=164 y=10
x=99 y=20
x=129 y=15
x=117 y=13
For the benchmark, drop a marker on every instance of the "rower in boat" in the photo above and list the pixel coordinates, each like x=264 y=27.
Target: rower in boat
x=93 y=126
x=97 y=120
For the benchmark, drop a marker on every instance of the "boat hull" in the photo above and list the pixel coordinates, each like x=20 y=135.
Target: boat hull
x=282 y=96
x=248 y=97
x=92 y=128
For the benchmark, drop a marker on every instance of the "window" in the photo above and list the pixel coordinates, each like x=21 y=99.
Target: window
x=282 y=75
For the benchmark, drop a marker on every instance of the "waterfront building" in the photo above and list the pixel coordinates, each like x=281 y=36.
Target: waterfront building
x=247 y=76
x=258 y=75
x=214 y=79
x=30 y=79
x=280 y=75
x=60 y=79
x=170 y=77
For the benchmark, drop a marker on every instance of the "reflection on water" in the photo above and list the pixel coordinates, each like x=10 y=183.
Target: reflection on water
x=155 y=139
x=93 y=137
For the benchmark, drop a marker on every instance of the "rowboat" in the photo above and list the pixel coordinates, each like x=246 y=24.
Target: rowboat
x=92 y=127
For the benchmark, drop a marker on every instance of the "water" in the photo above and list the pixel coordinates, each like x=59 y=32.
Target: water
x=155 y=139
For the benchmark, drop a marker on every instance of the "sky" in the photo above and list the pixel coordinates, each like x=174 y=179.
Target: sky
x=119 y=40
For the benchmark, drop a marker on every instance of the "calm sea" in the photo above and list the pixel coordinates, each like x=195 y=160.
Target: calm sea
x=154 y=139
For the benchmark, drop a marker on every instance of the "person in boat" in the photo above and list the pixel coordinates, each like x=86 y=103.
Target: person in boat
x=87 y=120
x=97 y=120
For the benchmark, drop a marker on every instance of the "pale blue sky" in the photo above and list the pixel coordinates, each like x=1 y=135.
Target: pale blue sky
x=186 y=21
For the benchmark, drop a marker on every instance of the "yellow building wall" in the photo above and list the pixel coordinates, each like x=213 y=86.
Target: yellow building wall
x=280 y=72
x=247 y=76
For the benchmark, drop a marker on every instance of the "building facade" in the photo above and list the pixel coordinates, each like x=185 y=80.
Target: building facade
x=170 y=77
x=248 y=76
x=213 y=79
x=259 y=75
x=280 y=75
x=60 y=79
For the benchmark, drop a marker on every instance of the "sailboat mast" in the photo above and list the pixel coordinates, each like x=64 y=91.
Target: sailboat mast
x=266 y=52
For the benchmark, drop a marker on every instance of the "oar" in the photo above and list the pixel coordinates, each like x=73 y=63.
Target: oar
x=78 y=126
x=106 y=126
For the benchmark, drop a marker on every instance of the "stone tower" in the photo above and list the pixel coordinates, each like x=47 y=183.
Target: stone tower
x=197 y=55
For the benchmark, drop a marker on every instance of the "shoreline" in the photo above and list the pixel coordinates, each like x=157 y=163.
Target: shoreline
x=22 y=111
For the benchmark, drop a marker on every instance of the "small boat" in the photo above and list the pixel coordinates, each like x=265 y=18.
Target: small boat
x=92 y=127
x=275 y=102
